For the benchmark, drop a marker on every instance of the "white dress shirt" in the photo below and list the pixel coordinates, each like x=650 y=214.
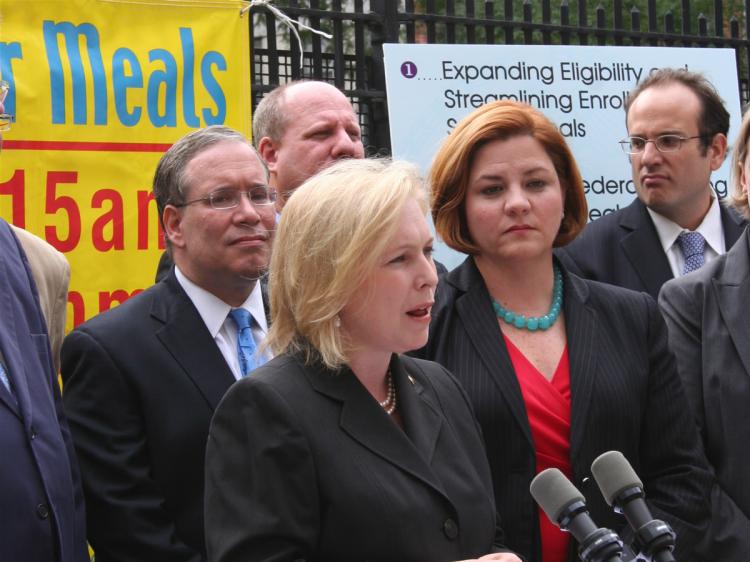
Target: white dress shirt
x=711 y=230
x=215 y=315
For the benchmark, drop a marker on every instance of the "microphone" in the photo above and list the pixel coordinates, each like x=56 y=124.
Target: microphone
x=566 y=507
x=623 y=490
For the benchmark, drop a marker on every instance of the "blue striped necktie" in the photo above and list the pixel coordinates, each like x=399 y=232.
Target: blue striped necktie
x=692 y=245
x=245 y=343
x=4 y=377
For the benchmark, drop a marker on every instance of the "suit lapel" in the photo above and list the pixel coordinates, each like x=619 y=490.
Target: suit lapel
x=732 y=224
x=366 y=422
x=12 y=325
x=581 y=330
x=732 y=288
x=475 y=311
x=187 y=339
x=8 y=346
x=422 y=422
x=642 y=248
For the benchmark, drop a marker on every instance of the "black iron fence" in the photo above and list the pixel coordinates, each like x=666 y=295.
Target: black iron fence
x=353 y=58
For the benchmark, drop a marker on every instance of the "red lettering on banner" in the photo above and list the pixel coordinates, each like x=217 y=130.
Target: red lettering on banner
x=54 y=203
x=14 y=187
x=107 y=299
x=144 y=200
x=118 y=296
x=114 y=216
x=75 y=300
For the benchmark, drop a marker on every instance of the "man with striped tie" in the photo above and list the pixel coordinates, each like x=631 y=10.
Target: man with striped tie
x=677 y=137
x=141 y=381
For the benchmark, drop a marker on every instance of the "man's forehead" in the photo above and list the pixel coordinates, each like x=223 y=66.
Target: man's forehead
x=308 y=97
x=230 y=156
x=667 y=107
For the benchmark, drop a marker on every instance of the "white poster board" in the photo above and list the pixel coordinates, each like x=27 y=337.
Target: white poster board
x=582 y=89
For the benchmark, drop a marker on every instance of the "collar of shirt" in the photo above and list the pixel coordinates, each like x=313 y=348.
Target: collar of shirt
x=711 y=230
x=214 y=311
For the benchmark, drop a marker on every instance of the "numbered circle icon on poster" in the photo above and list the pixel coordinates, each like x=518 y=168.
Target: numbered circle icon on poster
x=408 y=69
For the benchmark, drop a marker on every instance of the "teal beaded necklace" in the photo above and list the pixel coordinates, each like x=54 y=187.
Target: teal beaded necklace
x=534 y=323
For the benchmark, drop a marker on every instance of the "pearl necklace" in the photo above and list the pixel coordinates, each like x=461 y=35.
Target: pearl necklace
x=533 y=323
x=389 y=404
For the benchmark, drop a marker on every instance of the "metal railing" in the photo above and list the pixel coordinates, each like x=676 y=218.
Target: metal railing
x=353 y=58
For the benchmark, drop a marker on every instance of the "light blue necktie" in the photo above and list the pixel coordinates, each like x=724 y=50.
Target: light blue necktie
x=692 y=245
x=245 y=343
x=4 y=378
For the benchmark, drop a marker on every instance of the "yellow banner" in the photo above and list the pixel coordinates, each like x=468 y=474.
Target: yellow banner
x=99 y=90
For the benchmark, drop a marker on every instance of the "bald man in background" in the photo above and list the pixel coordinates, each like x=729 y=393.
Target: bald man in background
x=300 y=128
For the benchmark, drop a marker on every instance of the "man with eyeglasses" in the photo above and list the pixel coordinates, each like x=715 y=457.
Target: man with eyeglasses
x=300 y=128
x=677 y=136
x=141 y=381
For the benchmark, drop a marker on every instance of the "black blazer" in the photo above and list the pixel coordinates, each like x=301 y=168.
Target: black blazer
x=141 y=383
x=623 y=248
x=41 y=501
x=709 y=332
x=303 y=464
x=625 y=395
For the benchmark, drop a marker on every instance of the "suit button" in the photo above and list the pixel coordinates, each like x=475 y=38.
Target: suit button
x=450 y=528
x=42 y=511
x=32 y=433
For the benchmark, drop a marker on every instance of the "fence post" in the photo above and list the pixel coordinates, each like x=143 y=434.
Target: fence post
x=385 y=31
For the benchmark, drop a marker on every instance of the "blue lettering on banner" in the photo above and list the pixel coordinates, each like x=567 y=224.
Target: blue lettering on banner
x=64 y=42
x=71 y=34
x=168 y=78
x=123 y=81
x=8 y=52
x=213 y=58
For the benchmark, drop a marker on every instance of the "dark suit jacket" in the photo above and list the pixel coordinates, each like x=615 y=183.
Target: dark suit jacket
x=41 y=500
x=625 y=395
x=623 y=249
x=303 y=464
x=141 y=383
x=709 y=332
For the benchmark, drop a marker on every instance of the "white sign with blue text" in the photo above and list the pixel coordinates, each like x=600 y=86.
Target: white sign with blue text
x=582 y=89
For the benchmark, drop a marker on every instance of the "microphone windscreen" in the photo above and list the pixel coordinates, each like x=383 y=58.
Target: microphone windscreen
x=554 y=492
x=613 y=474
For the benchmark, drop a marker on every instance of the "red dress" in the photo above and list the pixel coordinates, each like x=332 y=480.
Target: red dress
x=548 y=410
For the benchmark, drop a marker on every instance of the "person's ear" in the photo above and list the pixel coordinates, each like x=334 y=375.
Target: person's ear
x=172 y=219
x=269 y=151
x=717 y=151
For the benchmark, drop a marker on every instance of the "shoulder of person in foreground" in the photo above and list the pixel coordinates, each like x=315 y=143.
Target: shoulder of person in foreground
x=594 y=246
x=51 y=273
x=672 y=463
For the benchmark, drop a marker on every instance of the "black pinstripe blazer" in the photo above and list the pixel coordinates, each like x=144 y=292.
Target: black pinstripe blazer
x=625 y=393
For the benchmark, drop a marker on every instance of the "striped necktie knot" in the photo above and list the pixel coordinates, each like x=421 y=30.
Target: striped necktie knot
x=692 y=245
x=245 y=343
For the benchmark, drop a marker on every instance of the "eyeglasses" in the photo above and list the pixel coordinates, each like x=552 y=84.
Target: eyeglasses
x=261 y=197
x=5 y=119
x=663 y=143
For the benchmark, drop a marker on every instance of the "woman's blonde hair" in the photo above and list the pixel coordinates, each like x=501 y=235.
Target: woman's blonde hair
x=331 y=236
x=739 y=154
